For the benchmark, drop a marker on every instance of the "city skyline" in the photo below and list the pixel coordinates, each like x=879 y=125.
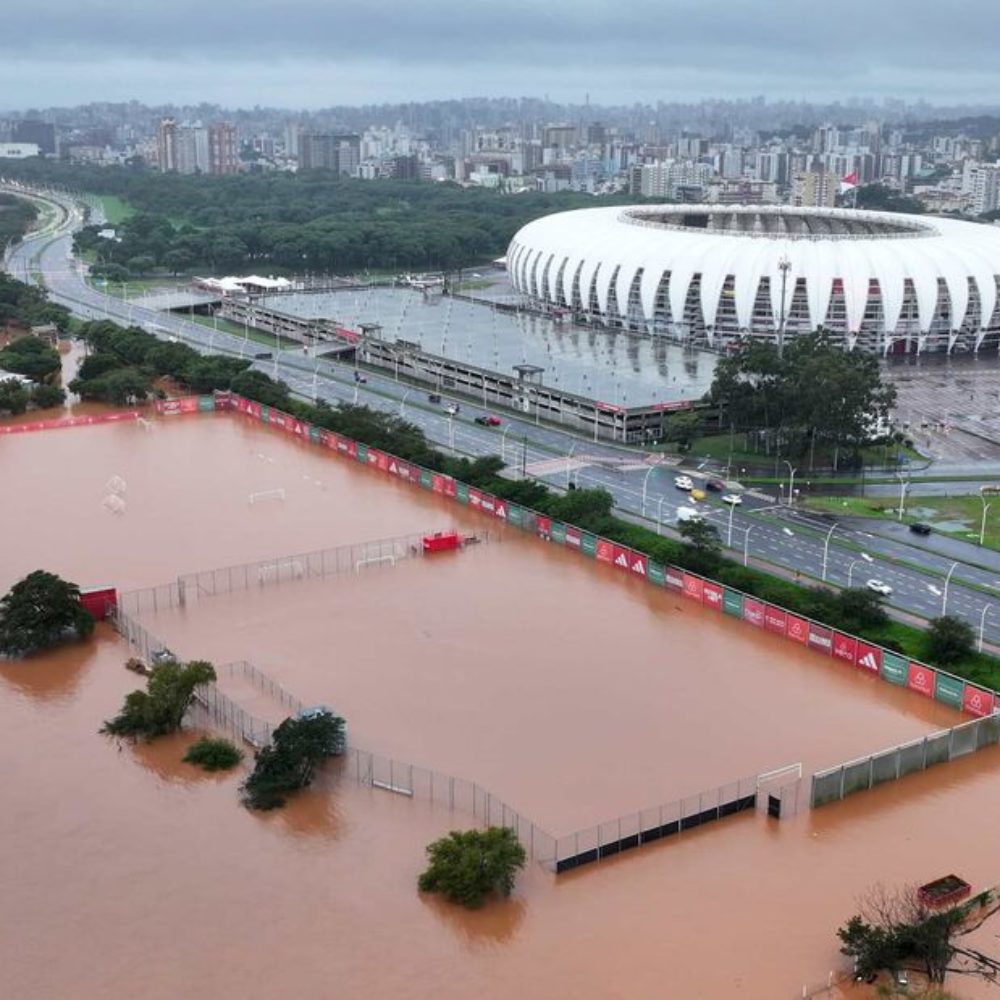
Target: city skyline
x=310 y=55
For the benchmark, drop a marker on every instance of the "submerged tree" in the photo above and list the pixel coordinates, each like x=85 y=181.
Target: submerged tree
x=160 y=709
x=289 y=762
x=465 y=867
x=40 y=611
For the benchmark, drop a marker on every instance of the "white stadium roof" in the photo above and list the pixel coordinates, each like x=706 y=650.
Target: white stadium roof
x=635 y=253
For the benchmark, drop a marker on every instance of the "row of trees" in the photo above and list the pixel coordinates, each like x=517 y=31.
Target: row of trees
x=16 y=215
x=810 y=394
x=26 y=306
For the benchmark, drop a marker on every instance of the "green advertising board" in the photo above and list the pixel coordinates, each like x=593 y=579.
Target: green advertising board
x=206 y=404
x=361 y=452
x=514 y=515
x=655 y=573
x=588 y=544
x=557 y=533
x=948 y=689
x=895 y=669
x=314 y=434
x=732 y=603
x=461 y=492
x=426 y=479
x=265 y=414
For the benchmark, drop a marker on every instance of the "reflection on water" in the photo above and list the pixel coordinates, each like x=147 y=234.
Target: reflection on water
x=55 y=675
x=495 y=923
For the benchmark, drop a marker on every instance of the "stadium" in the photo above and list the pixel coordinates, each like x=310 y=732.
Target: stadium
x=712 y=275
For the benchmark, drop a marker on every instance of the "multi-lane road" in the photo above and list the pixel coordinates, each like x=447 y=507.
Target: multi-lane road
x=927 y=576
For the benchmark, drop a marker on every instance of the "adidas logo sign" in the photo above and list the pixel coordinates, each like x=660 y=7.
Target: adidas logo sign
x=622 y=561
x=868 y=661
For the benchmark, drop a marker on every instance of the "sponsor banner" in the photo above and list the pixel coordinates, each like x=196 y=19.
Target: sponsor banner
x=241 y=403
x=461 y=492
x=732 y=603
x=475 y=497
x=543 y=526
x=753 y=611
x=588 y=543
x=437 y=482
x=656 y=573
x=277 y=419
x=976 y=701
x=405 y=471
x=820 y=638
x=514 y=515
x=796 y=629
x=638 y=564
x=711 y=595
x=845 y=647
x=622 y=557
x=206 y=404
x=774 y=619
x=557 y=534
x=488 y=503
x=254 y=410
x=895 y=668
x=378 y=459
x=949 y=690
x=868 y=657
x=449 y=486
x=361 y=453
x=693 y=586
x=167 y=407
x=573 y=537
x=501 y=509
x=921 y=679
x=58 y=422
x=222 y=400
x=426 y=479
x=325 y=438
x=675 y=578
x=331 y=440
x=264 y=414
x=314 y=433
x=604 y=551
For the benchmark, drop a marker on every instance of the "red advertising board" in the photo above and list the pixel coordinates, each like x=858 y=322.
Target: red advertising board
x=500 y=510
x=404 y=471
x=621 y=558
x=475 y=497
x=921 y=679
x=868 y=657
x=774 y=619
x=637 y=564
x=796 y=629
x=223 y=400
x=753 y=611
x=976 y=701
x=543 y=525
x=449 y=486
x=845 y=647
x=572 y=536
x=820 y=638
x=711 y=595
x=605 y=551
x=487 y=503
x=675 y=578
x=277 y=419
x=379 y=459
x=693 y=586
x=437 y=482
x=253 y=409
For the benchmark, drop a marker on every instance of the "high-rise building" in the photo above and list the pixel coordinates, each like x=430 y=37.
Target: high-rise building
x=42 y=134
x=166 y=145
x=223 y=149
x=191 y=147
x=348 y=148
x=317 y=151
x=815 y=188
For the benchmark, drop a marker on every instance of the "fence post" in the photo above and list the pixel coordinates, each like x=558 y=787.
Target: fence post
x=841 y=795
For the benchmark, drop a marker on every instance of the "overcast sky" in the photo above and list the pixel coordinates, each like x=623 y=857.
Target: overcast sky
x=316 y=53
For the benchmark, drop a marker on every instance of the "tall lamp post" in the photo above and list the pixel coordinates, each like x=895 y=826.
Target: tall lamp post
x=904 y=485
x=982 y=624
x=645 y=483
x=826 y=550
x=864 y=557
x=986 y=506
x=784 y=265
x=944 y=596
x=791 y=480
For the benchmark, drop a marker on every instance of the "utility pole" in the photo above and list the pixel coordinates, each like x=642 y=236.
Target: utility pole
x=785 y=266
x=524 y=457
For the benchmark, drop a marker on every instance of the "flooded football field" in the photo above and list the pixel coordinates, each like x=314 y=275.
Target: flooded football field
x=565 y=688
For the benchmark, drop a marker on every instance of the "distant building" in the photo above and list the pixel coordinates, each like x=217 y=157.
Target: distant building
x=18 y=150
x=223 y=149
x=166 y=145
x=816 y=189
x=32 y=130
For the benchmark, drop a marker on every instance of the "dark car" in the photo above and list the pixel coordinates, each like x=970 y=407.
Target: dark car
x=358 y=377
x=263 y=356
x=433 y=397
x=919 y=528
x=488 y=420
x=715 y=485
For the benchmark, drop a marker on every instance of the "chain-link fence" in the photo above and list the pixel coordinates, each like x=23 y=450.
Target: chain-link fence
x=917 y=755
x=655 y=823
x=357 y=557
x=264 y=684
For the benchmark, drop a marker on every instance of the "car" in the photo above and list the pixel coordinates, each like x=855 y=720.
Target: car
x=902 y=979
x=263 y=356
x=488 y=420
x=451 y=409
x=919 y=528
x=697 y=494
x=684 y=483
x=879 y=587
x=433 y=397
x=358 y=377
x=715 y=485
x=733 y=499
x=689 y=514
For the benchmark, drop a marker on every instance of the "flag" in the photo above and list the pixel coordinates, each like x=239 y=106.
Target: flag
x=848 y=183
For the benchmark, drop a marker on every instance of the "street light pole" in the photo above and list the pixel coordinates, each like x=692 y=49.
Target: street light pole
x=791 y=479
x=982 y=525
x=785 y=266
x=944 y=596
x=645 y=481
x=659 y=515
x=903 y=486
x=503 y=443
x=982 y=624
x=402 y=402
x=826 y=549
x=864 y=557
x=746 y=543
x=729 y=536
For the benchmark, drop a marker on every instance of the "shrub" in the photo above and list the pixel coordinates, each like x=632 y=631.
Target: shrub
x=466 y=867
x=213 y=755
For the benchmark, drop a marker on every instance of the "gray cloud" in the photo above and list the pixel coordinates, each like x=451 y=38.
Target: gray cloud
x=65 y=51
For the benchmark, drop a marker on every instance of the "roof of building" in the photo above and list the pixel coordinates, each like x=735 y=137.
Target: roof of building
x=749 y=242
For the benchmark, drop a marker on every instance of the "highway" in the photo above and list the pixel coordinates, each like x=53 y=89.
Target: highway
x=642 y=485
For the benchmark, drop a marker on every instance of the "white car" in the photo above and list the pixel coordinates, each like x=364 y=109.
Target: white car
x=733 y=499
x=451 y=410
x=684 y=483
x=879 y=586
x=689 y=514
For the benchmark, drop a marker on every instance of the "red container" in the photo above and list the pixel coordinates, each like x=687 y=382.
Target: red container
x=442 y=541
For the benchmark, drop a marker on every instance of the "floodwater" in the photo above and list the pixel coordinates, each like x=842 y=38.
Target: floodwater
x=625 y=369
x=127 y=872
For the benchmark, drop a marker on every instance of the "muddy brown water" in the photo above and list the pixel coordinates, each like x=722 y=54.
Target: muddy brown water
x=126 y=872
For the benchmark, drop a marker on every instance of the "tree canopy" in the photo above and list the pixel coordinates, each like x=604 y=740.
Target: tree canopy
x=27 y=306
x=289 y=762
x=813 y=393
x=40 y=611
x=466 y=867
x=160 y=709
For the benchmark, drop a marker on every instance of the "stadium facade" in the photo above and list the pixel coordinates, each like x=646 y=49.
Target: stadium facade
x=714 y=275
